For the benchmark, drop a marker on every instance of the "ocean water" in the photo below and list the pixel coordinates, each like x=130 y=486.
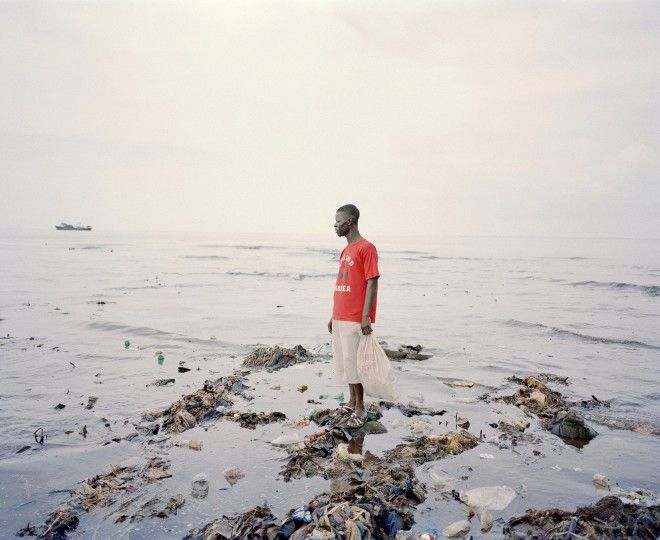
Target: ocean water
x=485 y=308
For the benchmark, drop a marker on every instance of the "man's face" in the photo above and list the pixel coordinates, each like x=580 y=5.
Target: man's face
x=342 y=224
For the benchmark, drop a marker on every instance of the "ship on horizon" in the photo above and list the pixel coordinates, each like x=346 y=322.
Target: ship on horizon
x=77 y=227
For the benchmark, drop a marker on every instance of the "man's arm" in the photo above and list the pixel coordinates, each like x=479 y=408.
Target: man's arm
x=370 y=294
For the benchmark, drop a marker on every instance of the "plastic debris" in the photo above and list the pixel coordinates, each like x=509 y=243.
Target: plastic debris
x=276 y=357
x=202 y=403
x=343 y=454
x=302 y=388
x=458 y=383
x=286 y=440
x=162 y=382
x=127 y=344
x=233 y=475
x=193 y=444
x=339 y=396
x=485 y=520
x=301 y=515
x=458 y=528
x=91 y=401
x=407 y=352
x=58 y=524
x=607 y=518
x=200 y=486
x=462 y=423
x=161 y=358
x=250 y=420
x=601 y=481
x=411 y=410
x=534 y=396
x=491 y=497
x=441 y=480
x=486 y=456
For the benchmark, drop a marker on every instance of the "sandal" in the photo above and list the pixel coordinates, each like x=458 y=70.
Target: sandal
x=355 y=422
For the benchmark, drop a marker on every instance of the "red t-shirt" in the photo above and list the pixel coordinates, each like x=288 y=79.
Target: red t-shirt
x=358 y=263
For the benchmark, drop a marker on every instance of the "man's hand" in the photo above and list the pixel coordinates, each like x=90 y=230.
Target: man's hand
x=330 y=326
x=366 y=325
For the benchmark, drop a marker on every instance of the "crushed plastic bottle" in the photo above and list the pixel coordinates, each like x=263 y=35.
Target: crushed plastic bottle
x=200 y=486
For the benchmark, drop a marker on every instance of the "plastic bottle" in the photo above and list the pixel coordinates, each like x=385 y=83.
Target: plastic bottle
x=200 y=486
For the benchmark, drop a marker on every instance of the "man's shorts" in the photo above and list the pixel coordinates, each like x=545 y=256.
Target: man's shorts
x=345 y=340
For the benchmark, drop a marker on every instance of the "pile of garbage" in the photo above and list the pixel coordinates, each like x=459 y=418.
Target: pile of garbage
x=373 y=501
x=102 y=490
x=608 y=518
x=152 y=508
x=256 y=523
x=193 y=408
x=58 y=524
x=407 y=352
x=432 y=447
x=369 y=497
x=276 y=357
x=316 y=457
x=552 y=409
x=337 y=418
x=250 y=420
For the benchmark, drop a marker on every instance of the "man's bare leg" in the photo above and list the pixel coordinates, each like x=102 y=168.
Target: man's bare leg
x=351 y=396
x=357 y=393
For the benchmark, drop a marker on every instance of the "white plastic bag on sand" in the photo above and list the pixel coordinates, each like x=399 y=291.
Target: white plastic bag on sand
x=491 y=497
x=375 y=370
x=458 y=528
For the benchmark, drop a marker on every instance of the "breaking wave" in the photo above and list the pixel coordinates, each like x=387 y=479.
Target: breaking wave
x=297 y=277
x=650 y=290
x=553 y=330
x=206 y=257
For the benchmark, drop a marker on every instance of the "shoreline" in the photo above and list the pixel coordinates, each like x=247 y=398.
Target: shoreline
x=266 y=397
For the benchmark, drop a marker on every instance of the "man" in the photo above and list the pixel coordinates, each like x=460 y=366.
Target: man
x=354 y=307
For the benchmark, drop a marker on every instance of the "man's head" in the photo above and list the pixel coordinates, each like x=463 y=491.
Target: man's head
x=346 y=218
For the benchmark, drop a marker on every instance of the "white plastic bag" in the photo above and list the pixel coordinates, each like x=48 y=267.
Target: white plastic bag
x=375 y=370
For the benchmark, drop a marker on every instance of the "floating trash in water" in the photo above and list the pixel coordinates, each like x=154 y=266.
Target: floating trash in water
x=127 y=344
x=491 y=497
x=200 y=486
x=458 y=528
x=601 y=481
x=339 y=396
x=233 y=475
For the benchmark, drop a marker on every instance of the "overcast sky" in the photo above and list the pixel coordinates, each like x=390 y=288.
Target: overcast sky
x=503 y=118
